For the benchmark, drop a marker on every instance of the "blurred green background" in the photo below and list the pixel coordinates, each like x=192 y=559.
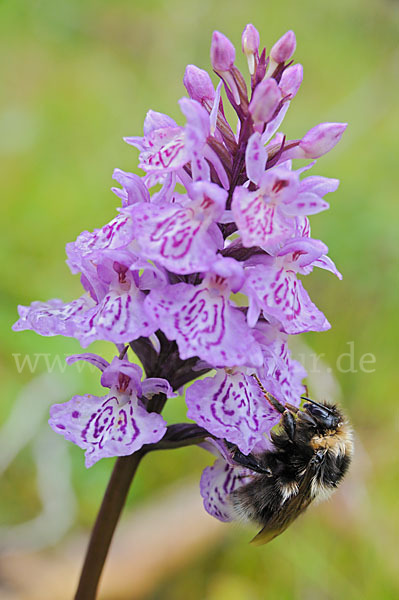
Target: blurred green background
x=77 y=76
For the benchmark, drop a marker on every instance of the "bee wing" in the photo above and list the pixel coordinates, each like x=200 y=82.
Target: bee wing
x=289 y=511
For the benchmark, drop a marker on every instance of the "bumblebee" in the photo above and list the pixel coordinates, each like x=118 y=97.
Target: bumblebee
x=311 y=452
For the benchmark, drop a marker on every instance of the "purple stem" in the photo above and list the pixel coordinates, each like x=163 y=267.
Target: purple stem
x=177 y=436
x=104 y=527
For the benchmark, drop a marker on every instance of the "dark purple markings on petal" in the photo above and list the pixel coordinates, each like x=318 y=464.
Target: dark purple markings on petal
x=121 y=425
x=283 y=297
x=241 y=403
x=115 y=425
x=286 y=294
x=204 y=324
x=171 y=155
x=259 y=220
x=135 y=428
x=232 y=407
x=100 y=423
x=111 y=312
x=75 y=414
x=258 y=216
x=176 y=234
x=119 y=318
x=108 y=232
x=113 y=235
x=202 y=318
x=229 y=481
x=126 y=424
x=217 y=483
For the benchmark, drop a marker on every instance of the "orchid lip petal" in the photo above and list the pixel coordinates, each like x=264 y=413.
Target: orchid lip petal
x=53 y=317
x=178 y=236
x=204 y=324
x=116 y=424
x=231 y=406
x=105 y=426
x=216 y=485
x=282 y=296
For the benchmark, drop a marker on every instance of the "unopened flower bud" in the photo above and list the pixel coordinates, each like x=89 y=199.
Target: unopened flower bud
x=222 y=52
x=265 y=100
x=321 y=139
x=198 y=84
x=250 y=45
x=284 y=48
x=291 y=80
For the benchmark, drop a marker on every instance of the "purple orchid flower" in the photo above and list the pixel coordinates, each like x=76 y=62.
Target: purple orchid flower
x=53 y=317
x=202 y=319
x=116 y=424
x=265 y=217
x=231 y=405
x=120 y=315
x=273 y=286
x=183 y=236
x=169 y=148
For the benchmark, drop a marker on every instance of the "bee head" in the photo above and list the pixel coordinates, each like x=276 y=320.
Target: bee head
x=324 y=416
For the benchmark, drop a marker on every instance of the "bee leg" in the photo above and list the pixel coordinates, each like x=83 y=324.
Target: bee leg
x=240 y=477
x=271 y=399
x=248 y=461
x=292 y=408
x=289 y=425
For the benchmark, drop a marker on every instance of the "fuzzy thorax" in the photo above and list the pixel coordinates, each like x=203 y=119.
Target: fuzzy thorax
x=339 y=441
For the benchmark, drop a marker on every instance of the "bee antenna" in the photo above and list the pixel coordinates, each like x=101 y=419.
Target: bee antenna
x=271 y=399
x=317 y=404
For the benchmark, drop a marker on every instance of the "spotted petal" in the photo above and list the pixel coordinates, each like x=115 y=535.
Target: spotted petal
x=231 y=406
x=282 y=296
x=166 y=151
x=113 y=425
x=217 y=482
x=116 y=234
x=177 y=236
x=306 y=203
x=118 y=318
x=204 y=324
x=260 y=223
x=53 y=317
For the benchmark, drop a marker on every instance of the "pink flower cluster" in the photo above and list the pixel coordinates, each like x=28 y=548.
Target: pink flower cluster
x=221 y=210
